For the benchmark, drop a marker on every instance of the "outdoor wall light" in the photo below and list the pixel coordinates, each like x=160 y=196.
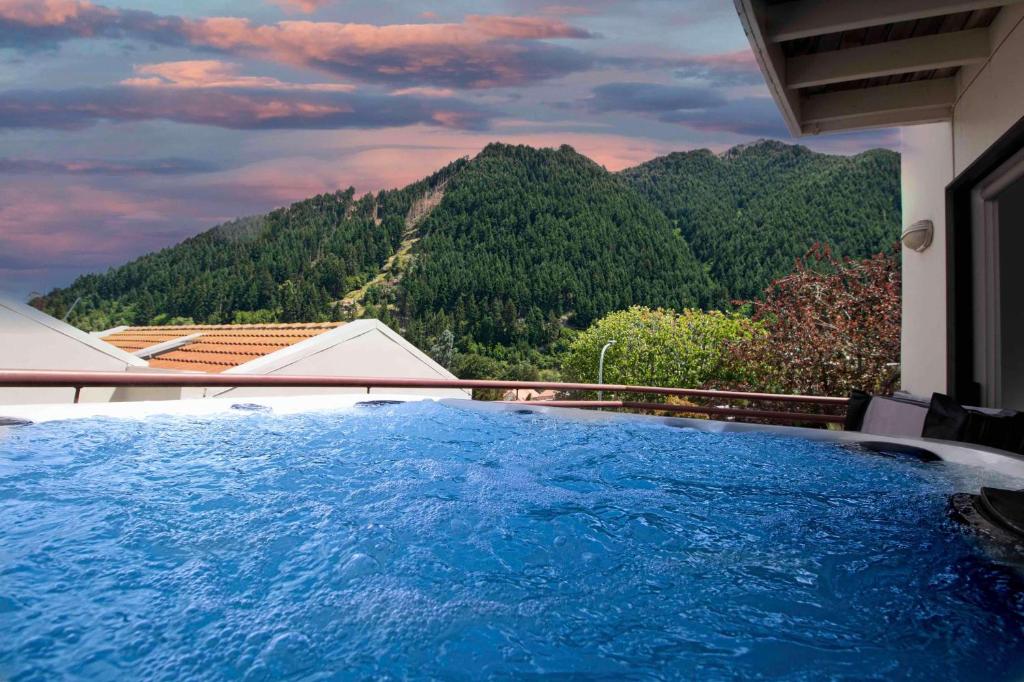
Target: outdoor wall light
x=918 y=236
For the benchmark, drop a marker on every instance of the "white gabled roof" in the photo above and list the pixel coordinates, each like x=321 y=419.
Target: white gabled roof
x=34 y=316
x=281 y=359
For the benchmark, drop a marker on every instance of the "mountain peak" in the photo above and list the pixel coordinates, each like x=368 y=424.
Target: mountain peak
x=763 y=145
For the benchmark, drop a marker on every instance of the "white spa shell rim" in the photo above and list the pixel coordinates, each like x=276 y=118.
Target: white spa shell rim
x=997 y=462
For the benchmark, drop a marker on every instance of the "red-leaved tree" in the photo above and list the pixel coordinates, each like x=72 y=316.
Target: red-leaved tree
x=833 y=326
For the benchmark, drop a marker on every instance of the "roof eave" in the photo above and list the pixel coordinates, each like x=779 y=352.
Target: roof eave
x=770 y=60
x=907 y=73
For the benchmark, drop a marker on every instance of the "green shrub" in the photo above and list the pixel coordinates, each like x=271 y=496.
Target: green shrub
x=663 y=348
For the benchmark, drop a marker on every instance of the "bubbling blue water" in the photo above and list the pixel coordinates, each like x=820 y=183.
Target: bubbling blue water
x=427 y=541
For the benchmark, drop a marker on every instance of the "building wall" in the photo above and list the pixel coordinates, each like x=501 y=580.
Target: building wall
x=131 y=394
x=363 y=348
x=25 y=344
x=991 y=95
x=990 y=100
x=927 y=167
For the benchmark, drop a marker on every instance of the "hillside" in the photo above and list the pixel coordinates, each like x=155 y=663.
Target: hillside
x=748 y=213
x=291 y=265
x=497 y=255
x=526 y=235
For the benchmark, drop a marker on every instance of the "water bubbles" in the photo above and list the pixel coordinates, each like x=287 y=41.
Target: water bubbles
x=359 y=565
x=286 y=655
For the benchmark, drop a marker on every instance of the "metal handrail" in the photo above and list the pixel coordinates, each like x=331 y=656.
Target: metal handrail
x=61 y=379
x=79 y=380
x=772 y=415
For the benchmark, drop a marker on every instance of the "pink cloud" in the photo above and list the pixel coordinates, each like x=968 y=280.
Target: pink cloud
x=304 y=6
x=425 y=91
x=41 y=13
x=243 y=108
x=79 y=221
x=212 y=73
x=479 y=52
x=567 y=10
x=519 y=28
x=738 y=58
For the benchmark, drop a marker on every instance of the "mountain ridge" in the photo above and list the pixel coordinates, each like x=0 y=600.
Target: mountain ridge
x=505 y=251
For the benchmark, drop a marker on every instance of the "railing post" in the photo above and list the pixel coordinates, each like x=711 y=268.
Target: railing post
x=600 y=367
x=78 y=393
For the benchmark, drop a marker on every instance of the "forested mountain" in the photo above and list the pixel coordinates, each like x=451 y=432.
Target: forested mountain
x=502 y=255
x=524 y=236
x=750 y=212
x=291 y=265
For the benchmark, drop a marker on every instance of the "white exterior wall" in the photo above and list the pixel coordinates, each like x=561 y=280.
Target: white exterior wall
x=31 y=340
x=926 y=169
x=991 y=95
x=990 y=100
x=365 y=348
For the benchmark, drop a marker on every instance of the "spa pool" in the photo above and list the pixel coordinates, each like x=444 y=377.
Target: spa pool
x=425 y=540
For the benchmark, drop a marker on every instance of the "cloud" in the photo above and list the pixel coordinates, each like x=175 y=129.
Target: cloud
x=33 y=24
x=479 y=52
x=567 y=10
x=724 y=68
x=753 y=116
x=703 y=109
x=652 y=98
x=79 y=226
x=425 y=91
x=243 y=109
x=304 y=6
x=53 y=228
x=212 y=73
x=94 y=167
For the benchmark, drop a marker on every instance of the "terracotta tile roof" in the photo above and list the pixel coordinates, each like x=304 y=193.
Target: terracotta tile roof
x=220 y=347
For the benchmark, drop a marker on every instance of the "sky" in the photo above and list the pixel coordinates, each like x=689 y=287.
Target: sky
x=127 y=126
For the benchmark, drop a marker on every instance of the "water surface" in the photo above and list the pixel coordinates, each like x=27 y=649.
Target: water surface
x=426 y=541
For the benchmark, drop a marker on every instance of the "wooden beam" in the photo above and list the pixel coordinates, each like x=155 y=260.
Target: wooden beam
x=888 y=119
x=806 y=18
x=887 y=59
x=902 y=97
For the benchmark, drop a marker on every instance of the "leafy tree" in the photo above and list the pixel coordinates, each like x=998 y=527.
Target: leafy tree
x=254 y=317
x=663 y=348
x=833 y=326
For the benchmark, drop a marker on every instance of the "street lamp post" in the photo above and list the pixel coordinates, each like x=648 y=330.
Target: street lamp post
x=600 y=367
